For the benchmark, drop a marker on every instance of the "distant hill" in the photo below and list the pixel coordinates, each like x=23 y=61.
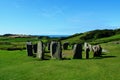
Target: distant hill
x=16 y=35
x=94 y=37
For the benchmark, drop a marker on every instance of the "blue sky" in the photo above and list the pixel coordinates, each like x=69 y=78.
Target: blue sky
x=58 y=17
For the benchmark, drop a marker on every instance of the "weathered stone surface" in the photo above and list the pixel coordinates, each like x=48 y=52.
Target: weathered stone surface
x=87 y=45
x=56 y=50
x=77 y=50
x=53 y=49
x=35 y=48
x=58 y=54
x=40 y=50
x=87 y=49
x=29 y=48
x=87 y=53
x=97 y=50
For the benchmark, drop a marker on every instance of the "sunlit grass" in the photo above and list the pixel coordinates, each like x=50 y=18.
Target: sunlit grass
x=16 y=65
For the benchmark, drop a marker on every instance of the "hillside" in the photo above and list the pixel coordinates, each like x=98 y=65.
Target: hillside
x=94 y=37
x=18 y=42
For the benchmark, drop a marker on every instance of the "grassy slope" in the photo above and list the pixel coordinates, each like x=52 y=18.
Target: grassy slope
x=107 y=39
x=6 y=42
x=15 y=65
x=73 y=39
x=101 y=40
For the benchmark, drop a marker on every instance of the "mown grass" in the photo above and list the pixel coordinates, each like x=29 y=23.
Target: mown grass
x=16 y=65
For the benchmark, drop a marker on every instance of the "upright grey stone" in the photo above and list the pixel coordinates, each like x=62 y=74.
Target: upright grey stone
x=77 y=50
x=53 y=48
x=87 y=49
x=58 y=54
x=56 y=50
x=29 y=48
x=97 y=50
x=35 y=48
x=87 y=53
x=40 y=50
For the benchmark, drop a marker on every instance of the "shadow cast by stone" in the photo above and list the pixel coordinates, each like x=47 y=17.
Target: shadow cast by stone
x=66 y=58
x=109 y=56
x=103 y=54
x=47 y=57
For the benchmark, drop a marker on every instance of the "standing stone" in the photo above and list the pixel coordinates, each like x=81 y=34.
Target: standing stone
x=58 y=53
x=40 y=50
x=77 y=51
x=99 y=50
x=35 y=48
x=29 y=48
x=87 y=49
x=87 y=53
x=53 y=49
x=56 y=50
x=95 y=51
x=65 y=45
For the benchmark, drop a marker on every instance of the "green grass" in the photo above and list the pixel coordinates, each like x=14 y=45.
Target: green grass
x=20 y=43
x=18 y=39
x=16 y=65
x=77 y=39
x=106 y=39
x=73 y=39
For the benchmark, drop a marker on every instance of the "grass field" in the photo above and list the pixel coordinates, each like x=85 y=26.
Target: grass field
x=93 y=41
x=16 y=65
x=15 y=43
